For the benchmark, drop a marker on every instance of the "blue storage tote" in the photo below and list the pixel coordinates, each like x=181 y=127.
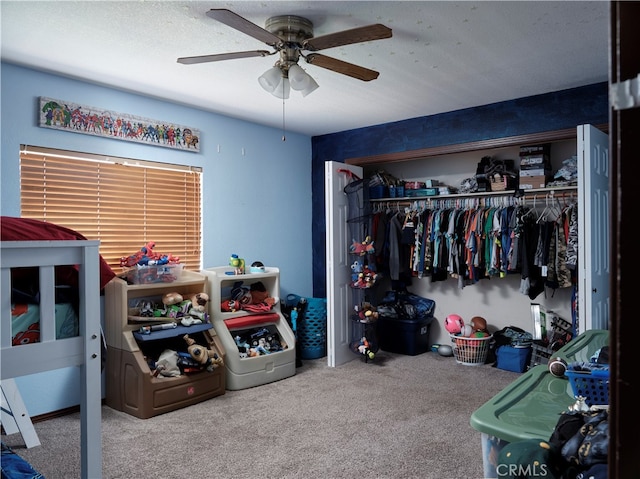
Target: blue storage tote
x=404 y=336
x=404 y=322
x=512 y=358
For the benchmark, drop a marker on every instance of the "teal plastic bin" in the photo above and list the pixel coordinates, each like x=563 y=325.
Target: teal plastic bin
x=529 y=408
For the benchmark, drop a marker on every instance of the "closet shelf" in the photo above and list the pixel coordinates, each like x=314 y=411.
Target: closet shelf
x=525 y=193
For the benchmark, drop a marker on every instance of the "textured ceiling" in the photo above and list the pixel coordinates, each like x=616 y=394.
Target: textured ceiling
x=443 y=56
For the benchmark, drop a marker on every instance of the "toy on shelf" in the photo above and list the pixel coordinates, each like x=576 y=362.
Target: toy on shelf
x=258 y=342
x=147 y=257
x=237 y=264
x=257 y=267
x=156 y=327
x=174 y=308
x=205 y=357
x=199 y=303
x=189 y=311
x=253 y=299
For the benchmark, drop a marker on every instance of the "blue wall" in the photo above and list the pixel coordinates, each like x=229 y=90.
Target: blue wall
x=250 y=205
x=548 y=112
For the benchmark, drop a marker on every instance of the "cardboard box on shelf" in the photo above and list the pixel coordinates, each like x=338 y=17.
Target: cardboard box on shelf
x=535 y=150
x=537 y=172
x=532 y=182
x=535 y=162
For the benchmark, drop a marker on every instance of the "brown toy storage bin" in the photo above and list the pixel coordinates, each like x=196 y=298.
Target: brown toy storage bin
x=132 y=389
x=130 y=386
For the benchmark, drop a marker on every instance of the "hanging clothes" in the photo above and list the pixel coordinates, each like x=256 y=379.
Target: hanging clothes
x=469 y=242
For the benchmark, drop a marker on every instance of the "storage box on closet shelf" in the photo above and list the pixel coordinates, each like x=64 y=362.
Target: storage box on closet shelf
x=498 y=182
x=380 y=185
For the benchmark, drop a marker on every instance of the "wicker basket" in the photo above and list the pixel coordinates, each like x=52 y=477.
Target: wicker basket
x=498 y=182
x=470 y=351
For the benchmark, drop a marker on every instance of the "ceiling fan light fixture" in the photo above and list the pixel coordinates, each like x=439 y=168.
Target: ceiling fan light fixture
x=312 y=86
x=270 y=79
x=282 y=90
x=301 y=81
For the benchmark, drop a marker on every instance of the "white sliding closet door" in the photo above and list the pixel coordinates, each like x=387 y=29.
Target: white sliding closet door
x=338 y=264
x=594 y=228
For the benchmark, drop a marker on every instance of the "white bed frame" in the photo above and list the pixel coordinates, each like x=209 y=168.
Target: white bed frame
x=49 y=353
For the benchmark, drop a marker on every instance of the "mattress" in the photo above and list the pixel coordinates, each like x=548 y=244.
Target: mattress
x=25 y=322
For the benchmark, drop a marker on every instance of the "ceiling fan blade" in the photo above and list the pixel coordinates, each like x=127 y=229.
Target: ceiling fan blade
x=347 y=37
x=223 y=56
x=243 y=25
x=339 y=66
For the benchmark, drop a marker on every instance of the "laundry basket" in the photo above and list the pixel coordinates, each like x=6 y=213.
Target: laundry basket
x=312 y=327
x=470 y=351
x=592 y=385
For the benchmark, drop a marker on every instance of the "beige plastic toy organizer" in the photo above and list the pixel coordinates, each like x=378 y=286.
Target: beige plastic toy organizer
x=246 y=372
x=130 y=386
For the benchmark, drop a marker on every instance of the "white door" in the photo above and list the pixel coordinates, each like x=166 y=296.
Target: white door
x=337 y=260
x=594 y=228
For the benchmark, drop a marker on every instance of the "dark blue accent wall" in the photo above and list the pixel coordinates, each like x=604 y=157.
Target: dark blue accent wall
x=551 y=111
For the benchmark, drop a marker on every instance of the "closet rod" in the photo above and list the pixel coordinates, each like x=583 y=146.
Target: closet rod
x=539 y=197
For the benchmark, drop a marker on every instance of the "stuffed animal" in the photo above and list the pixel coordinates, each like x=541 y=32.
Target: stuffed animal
x=230 y=306
x=259 y=294
x=169 y=299
x=199 y=302
x=203 y=356
x=366 y=278
x=366 y=247
x=199 y=306
x=367 y=312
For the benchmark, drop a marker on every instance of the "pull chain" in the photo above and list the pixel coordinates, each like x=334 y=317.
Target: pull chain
x=284 y=138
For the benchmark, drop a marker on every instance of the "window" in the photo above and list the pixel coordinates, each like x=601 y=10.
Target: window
x=123 y=203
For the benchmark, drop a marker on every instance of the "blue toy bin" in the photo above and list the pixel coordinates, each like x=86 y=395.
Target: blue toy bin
x=312 y=327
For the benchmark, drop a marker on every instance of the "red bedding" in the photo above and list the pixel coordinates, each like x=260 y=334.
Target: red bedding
x=25 y=229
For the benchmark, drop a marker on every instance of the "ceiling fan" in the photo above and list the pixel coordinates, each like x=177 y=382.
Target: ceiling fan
x=292 y=36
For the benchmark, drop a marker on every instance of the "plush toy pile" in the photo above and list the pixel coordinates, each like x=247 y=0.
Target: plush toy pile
x=192 y=310
x=176 y=362
x=254 y=299
x=206 y=358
